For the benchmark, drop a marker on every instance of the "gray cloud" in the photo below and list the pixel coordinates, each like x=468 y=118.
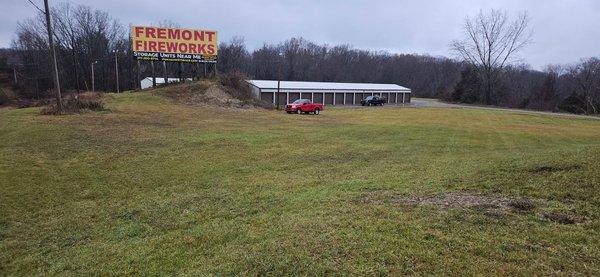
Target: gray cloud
x=564 y=30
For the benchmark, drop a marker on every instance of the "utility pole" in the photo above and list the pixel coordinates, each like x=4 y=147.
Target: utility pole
x=117 y=70
x=53 y=56
x=15 y=74
x=277 y=98
x=278 y=79
x=179 y=71
x=93 y=77
x=166 y=76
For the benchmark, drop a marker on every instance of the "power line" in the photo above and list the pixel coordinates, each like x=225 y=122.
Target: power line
x=36 y=6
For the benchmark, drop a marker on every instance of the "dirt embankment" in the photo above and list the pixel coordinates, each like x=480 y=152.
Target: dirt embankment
x=224 y=91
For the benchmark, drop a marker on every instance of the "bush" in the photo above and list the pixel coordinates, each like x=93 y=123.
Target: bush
x=77 y=103
x=4 y=97
x=236 y=85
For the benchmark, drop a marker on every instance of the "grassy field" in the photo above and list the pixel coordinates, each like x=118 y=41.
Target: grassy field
x=152 y=187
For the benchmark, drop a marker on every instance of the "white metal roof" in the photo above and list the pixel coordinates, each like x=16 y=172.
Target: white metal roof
x=294 y=85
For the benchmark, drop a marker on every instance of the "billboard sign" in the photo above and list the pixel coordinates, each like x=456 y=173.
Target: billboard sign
x=173 y=44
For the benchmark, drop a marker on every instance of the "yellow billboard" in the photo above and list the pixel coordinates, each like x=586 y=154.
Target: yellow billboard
x=174 y=44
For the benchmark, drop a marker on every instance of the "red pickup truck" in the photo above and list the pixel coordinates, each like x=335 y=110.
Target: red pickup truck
x=304 y=106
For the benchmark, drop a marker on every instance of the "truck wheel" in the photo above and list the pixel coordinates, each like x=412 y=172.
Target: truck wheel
x=299 y=111
x=317 y=111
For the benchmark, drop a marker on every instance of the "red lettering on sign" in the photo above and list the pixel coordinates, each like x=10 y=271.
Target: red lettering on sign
x=152 y=46
x=211 y=49
x=198 y=35
x=186 y=35
x=201 y=49
x=161 y=46
x=161 y=33
x=192 y=48
x=171 y=47
x=150 y=32
x=139 y=31
x=210 y=35
x=174 y=34
x=182 y=47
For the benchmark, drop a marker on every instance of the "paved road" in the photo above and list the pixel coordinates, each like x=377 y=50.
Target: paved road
x=435 y=103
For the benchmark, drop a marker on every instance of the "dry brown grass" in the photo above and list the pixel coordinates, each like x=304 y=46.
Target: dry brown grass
x=76 y=103
x=229 y=91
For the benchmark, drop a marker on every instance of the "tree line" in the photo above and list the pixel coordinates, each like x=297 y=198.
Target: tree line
x=89 y=38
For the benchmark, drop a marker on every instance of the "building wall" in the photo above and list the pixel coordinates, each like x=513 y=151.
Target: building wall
x=328 y=98
x=266 y=96
x=318 y=98
x=392 y=98
x=256 y=92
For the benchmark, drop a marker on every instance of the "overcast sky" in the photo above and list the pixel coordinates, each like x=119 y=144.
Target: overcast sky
x=564 y=30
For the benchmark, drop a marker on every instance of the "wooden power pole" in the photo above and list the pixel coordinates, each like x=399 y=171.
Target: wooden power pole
x=53 y=56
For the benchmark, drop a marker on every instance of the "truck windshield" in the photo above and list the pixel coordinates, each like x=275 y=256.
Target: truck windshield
x=301 y=101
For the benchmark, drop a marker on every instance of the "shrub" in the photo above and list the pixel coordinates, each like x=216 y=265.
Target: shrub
x=236 y=85
x=77 y=103
x=4 y=97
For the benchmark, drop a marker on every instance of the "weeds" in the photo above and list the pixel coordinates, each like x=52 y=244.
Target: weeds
x=522 y=204
x=76 y=103
x=563 y=218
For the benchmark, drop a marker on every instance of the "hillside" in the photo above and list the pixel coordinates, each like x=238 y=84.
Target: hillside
x=153 y=186
x=228 y=90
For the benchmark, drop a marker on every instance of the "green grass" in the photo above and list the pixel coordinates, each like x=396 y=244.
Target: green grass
x=151 y=187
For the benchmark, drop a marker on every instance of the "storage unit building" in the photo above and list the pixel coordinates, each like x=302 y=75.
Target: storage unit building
x=328 y=93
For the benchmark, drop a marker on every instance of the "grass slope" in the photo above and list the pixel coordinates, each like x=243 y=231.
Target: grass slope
x=152 y=187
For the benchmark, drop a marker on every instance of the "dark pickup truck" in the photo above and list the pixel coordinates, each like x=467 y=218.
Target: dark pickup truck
x=373 y=100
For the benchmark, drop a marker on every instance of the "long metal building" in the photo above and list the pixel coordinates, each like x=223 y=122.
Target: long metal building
x=328 y=93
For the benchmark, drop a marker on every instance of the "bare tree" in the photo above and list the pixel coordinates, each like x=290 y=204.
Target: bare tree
x=491 y=42
x=587 y=78
x=233 y=55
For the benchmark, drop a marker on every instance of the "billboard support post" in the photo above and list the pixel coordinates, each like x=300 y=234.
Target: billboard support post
x=166 y=74
x=139 y=74
x=179 y=72
x=153 y=75
x=197 y=71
